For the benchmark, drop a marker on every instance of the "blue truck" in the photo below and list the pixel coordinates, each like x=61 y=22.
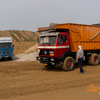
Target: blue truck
x=6 y=48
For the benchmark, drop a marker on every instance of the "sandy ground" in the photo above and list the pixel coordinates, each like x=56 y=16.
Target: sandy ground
x=30 y=80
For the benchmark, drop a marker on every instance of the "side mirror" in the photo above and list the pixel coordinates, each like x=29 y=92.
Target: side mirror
x=13 y=45
x=59 y=42
x=37 y=39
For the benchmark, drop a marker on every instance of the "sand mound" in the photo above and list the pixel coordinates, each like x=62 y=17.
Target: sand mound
x=32 y=49
x=26 y=57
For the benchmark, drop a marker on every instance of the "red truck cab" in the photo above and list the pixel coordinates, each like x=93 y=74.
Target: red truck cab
x=52 y=49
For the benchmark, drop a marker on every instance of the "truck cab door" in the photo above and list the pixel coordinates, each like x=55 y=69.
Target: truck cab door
x=63 y=43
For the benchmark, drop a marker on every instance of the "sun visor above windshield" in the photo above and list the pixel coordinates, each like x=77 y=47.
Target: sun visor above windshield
x=50 y=34
x=5 y=39
x=41 y=29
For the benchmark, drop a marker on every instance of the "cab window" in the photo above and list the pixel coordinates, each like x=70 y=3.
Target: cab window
x=63 y=38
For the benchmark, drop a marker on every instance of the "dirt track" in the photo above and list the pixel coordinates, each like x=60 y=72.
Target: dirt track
x=25 y=79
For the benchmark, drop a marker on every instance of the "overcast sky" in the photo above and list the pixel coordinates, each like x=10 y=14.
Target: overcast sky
x=31 y=14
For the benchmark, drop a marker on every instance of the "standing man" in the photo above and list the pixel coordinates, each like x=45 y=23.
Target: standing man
x=79 y=58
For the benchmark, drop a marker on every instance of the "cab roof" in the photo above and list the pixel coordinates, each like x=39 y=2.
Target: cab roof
x=55 y=26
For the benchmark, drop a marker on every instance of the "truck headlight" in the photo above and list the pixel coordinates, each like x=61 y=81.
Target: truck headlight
x=38 y=58
x=52 y=59
x=12 y=55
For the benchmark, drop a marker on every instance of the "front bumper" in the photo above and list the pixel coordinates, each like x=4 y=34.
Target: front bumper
x=6 y=56
x=47 y=60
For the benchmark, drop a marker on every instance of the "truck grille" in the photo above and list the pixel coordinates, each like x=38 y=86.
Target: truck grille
x=44 y=59
x=44 y=52
x=6 y=52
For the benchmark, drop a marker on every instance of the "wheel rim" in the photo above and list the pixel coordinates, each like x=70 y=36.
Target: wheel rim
x=69 y=63
x=96 y=60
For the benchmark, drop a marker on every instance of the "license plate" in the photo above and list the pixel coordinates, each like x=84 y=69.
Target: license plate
x=6 y=56
x=44 y=64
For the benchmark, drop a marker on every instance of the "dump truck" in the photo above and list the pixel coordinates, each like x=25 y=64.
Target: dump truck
x=59 y=43
x=6 y=48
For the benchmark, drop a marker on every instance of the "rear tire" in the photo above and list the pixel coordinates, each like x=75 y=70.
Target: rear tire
x=69 y=64
x=94 y=60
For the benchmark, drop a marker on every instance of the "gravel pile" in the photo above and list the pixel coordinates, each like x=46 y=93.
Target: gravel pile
x=26 y=57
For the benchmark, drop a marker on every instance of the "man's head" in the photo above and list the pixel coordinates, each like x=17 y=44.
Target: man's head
x=79 y=47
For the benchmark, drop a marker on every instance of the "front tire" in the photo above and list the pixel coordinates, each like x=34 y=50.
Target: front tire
x=10 y=58
x=69 y=64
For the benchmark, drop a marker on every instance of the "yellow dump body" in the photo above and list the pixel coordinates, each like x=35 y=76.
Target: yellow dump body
x=88 y=36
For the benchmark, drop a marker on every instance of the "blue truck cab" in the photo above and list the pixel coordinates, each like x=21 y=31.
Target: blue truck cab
x=6 y=48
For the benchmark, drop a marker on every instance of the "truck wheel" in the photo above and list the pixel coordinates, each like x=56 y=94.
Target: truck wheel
x=49 y=66
x=94 y=60
x=68 y=64
x=99 y=57
x=10 y=58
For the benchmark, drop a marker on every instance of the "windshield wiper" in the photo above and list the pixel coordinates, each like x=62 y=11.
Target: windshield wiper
x=48 y=43
x=42 y=44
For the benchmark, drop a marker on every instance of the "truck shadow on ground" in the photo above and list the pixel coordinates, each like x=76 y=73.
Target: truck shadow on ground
x=6 y=59
x=56 y=69
x=59 y=68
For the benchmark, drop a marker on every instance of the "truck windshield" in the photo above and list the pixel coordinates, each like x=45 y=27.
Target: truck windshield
x=47 y=40
x=6 y=45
